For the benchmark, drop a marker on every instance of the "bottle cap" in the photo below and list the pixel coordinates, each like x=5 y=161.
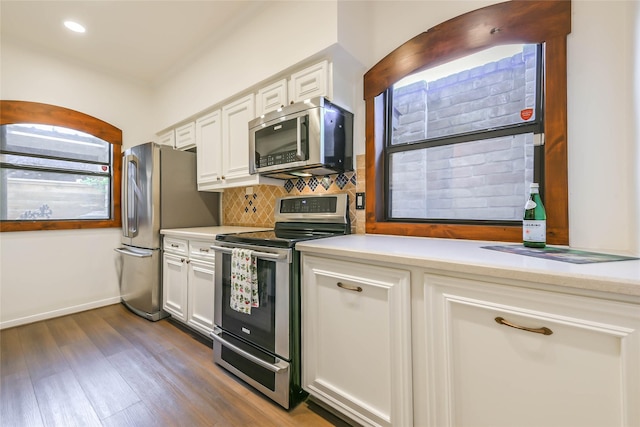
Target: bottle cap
x=534 y=185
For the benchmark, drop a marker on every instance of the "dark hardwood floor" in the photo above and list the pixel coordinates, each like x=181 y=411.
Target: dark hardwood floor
x=109 y=367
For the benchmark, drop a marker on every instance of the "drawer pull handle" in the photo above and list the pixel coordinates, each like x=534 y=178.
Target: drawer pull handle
x=543 y=330
x=349 y=287
x=204 y=250
x=173 y=245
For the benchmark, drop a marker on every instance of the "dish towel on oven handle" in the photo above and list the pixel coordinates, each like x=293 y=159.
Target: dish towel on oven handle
x=244 y=281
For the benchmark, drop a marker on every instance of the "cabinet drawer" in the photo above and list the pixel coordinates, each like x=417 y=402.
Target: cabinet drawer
x=201 y=249
x=175 y=246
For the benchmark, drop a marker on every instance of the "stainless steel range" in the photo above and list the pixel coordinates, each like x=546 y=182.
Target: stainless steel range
x=261 y=344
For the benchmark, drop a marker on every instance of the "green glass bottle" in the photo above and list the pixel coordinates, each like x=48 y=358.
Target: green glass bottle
x=534 y=223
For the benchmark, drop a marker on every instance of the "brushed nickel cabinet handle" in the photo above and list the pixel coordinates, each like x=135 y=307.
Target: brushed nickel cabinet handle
x=543 y=330
x=349 y=287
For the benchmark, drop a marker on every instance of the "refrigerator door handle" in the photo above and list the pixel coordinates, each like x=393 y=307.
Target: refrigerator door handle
x=125 y=198
x=129 y=207
x=124 y=251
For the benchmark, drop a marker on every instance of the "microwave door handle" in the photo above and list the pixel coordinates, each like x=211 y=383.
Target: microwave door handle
x=299 y=153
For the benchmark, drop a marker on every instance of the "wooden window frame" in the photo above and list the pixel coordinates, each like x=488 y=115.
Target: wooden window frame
x=536 y=22
x=14 y=112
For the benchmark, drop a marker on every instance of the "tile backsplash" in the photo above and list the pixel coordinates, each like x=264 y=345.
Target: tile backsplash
x=254 y=206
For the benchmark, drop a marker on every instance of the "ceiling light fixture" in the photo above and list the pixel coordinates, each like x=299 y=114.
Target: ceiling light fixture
x=74 y=26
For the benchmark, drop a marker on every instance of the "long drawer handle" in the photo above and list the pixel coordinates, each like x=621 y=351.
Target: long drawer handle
x=137 y=255
x=271 y=367
x=543 y=330
x=257 y=254
x=349 y=287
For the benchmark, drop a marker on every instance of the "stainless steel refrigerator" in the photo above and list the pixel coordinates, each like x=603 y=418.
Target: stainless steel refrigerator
x=159 y=191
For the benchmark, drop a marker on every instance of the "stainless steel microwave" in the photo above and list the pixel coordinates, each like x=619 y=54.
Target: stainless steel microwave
x=314 y=137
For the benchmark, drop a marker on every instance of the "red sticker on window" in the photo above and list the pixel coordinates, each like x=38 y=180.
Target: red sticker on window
x=105 y=168
x=526 y=114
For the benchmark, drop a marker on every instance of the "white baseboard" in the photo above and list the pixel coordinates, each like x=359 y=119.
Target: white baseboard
x=57 y=313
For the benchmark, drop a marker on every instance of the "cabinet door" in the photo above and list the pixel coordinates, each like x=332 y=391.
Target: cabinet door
x=209 y=149
x=271 y=98
x=174 y=286
x=168 y=138
x=356 y=338
x=201 y=294
x=311 y=82
x=185 y=136
x=235 y=138
x=577 y=363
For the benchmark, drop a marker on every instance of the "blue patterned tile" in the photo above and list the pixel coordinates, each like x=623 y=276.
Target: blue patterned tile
x=300 y=184
x=254 y=209
x=353 y=179
x=313 y=183
x=341 y=181
x=288 y=186
x=246 y=209
x=255 y=196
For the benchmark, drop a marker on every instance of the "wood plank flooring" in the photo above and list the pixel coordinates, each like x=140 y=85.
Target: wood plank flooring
x=109 y=367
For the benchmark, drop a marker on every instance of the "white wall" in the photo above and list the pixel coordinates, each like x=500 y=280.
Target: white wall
x=50 y=273
x=603 y=143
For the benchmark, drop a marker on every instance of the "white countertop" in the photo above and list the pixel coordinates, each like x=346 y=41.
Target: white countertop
x=620 y=278
x=208 y=233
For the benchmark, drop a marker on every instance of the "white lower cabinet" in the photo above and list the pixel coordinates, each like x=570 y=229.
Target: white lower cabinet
x=502 y=355
x=174 y=285
x=356 y=340
x=188 y=282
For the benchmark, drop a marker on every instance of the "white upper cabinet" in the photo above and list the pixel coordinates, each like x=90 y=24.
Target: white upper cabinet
x=235 y=137
x=235 y=140
x=311 y=82
x=209 y=150
x=271 y=98
x=185 y=136
x=168 y=138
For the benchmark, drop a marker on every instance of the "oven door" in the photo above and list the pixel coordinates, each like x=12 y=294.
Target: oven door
x=267 y=326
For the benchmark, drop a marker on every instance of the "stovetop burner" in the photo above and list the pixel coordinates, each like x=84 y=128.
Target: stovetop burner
x=300 y=218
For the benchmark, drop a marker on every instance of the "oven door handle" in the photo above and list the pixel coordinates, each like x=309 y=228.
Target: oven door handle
x=271 y=367
x=257 y=254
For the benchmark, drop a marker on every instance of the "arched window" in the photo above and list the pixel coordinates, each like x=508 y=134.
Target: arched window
x=451 y=154
x=59 y=169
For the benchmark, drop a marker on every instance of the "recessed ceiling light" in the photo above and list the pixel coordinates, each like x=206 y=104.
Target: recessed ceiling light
x=74 y=26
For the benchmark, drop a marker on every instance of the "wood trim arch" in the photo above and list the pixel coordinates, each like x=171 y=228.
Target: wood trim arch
x=546 y=22
x=12 y=112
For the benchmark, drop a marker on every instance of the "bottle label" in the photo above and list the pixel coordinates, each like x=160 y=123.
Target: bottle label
x=530 y=204
x=534 y=231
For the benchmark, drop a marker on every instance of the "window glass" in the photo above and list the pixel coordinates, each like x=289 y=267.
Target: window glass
x=478 y=180
x=54 y=173
x=488 y=90
x=54 y=141
x=460 y=144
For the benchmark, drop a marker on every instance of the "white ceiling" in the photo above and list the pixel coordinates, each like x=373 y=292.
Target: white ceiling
x=142 y=40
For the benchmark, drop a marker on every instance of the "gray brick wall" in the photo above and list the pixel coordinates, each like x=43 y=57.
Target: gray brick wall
x=481 y=180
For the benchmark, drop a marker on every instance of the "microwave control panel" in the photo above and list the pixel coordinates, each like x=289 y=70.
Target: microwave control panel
x=278 y=159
